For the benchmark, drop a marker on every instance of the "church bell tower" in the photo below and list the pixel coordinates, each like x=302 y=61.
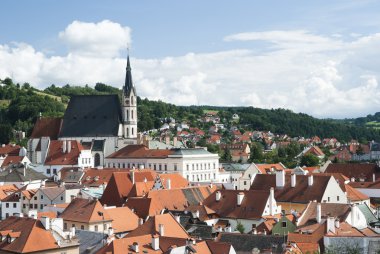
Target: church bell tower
x=129 y=106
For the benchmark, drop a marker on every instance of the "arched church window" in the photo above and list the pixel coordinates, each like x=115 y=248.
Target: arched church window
x=132 y=100
x=127 y=115
x=132 y=114
x=132 y=131
x=127 y=132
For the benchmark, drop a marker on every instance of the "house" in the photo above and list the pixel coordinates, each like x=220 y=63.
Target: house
x=300 y=188
x=173 y=200
x=123 y=220
x=21 y=175
x=86 y=214
x=314 y=150
x=247 y=208
x=361 y=172
x=196 y=165
x=66 y=153
x=12 y=160
x=29 y=235
x=10 y=149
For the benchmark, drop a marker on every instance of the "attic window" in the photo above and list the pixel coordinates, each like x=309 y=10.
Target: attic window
x=284 y=224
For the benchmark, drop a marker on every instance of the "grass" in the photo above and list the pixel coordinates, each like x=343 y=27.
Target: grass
x=373 y=124
x=57 y=98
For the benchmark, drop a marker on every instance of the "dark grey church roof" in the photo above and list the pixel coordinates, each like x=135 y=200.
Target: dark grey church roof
x=92 y=116
x=128 y=87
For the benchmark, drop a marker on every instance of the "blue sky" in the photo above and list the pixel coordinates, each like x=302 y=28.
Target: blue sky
x=317 y=57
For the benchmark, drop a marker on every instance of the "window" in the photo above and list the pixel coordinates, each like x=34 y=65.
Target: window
x=54 y=171
x=35 y=197
x=96 y=228
x=14 y=205
x=166 y=167
x=24 y=206
x=6 y=215
x=31 y=206
x=65 y=225
x=41 y=207
x=7 y=205
x=284 y=224
x=159 y=167
x=42 y=196
x=132 y=119
x=73 y=225
x=187 y=167
x=82 y=227
x=154 y=167
x=35 y=206
x=175 y=167
x=245 y=182
x=61 y=197
x=23 y=198
x=214 y=165
x=328 y=199
x=48 y=171
x=337 y=198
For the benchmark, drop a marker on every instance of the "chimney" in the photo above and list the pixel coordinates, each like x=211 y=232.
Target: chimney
x=293 y=180
x=330 y=224
x=141 y=166
x=110 y=231
x=68 y=146
x=19 y=215
x=196 y=214
x=310 y=180
x=155 y=242
x=319 y=212
x=72 y=231
x=46 y=222
x=240 y=197
x=161 y=229
x=133 y=176
x=337 y=223
x=218 y=195
x=64 y=146
x=168 y=184
x=373 y=177
x=32 y=214
x=254 y=231
x=271 y=201
x=280 y=178
x=135 y=247
x=354 y=215
x=141 y=221
x=24 y=170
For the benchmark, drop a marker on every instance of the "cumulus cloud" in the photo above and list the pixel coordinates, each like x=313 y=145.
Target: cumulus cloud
x=104 y=39
x=326 y=76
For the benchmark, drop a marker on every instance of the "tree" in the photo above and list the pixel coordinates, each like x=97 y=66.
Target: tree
x=256 y=154
x=240 y=227
x=5 y=133
x=309 y=160
x=226 y=157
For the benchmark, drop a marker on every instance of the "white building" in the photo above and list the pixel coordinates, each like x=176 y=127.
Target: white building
x=196 y=165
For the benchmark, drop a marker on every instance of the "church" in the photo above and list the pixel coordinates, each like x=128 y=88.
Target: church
x=100 y=123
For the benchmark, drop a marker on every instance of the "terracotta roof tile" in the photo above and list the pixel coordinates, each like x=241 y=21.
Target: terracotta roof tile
x=85 y=210
x=56 y=156
x=140 y=151
x=124 y=219
x=356 y=170
x=47 y=127
x=9 y=149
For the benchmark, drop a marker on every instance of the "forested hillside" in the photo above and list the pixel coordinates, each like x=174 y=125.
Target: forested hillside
x=20 y=105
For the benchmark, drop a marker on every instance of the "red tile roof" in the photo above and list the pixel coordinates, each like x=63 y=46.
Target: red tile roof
x=140 y=151
x=47 y=127
x=356 y=170
x=301 y=193
x=85 y=210
x=30 y=236
x=9 y=149
x=252 y=206
x=56 y=156
x=124 y=220
x=12 y=160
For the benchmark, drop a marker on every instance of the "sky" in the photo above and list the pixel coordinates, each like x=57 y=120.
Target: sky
x=316 y=57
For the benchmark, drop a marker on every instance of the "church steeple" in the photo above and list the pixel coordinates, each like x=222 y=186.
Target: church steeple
x=129 y=105
x=128 y=86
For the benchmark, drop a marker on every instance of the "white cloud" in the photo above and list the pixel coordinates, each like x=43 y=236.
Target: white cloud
x=104 y=39
x=321 y=75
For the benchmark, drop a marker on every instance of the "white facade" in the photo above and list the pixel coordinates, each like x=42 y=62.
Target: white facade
x=196 y=165
x=333 y=193
x=10 y=208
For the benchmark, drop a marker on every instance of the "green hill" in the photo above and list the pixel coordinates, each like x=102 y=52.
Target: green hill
x=20 y=106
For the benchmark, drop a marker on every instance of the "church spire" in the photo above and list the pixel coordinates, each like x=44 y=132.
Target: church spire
x=128 y=87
